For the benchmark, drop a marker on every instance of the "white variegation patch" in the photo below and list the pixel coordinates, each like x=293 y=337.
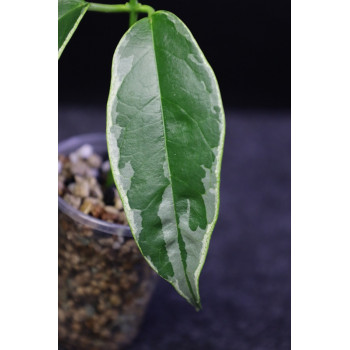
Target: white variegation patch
x=211 y=198
x=123 y=178
x=193 y=243
x=121 y=66
x=166 y=213
x=180 y=291
x=193 y=58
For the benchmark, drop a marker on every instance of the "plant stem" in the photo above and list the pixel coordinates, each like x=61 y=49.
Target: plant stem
x=125 y=8
x=133 y=14
x=108 y=8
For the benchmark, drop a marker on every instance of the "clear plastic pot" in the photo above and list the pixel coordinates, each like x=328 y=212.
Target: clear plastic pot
x=104 y=282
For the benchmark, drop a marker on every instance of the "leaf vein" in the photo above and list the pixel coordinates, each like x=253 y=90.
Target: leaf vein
x=170 y=179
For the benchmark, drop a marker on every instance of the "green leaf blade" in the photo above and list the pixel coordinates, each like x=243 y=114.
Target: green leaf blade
x=70 y=13
x=165 y=132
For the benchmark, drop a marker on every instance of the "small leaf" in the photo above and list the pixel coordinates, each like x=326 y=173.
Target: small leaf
x=165 y=134
x=70 y=13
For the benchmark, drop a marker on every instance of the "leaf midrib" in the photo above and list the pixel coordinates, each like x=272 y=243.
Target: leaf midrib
x=168 y=163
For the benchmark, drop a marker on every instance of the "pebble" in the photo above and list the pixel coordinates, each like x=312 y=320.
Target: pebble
x=61 y=315
x=94 y=160
x=106 y=166
x=122 y=218
x=118 y=203
x=92 y=181
x=76 y=327
x=96 y=192
x=79 y=168
x=81 y=189
x=115 y=300
x=86 y=206
x=71 y=187
x=110 y=213
x=97 y=210
x=72 y=200
x=105 y=333
x=85 y=151
x=92 y=172
x=73 y=157
x=60 y=186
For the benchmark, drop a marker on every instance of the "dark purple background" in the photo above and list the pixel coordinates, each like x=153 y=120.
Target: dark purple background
x=247 y=42
x=245 y=282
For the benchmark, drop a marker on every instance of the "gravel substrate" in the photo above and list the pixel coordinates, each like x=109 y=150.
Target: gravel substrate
x=84 y=182
x=104 y=282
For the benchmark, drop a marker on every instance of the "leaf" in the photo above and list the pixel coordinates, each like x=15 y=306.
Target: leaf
x=70 y=13
x=165 y=134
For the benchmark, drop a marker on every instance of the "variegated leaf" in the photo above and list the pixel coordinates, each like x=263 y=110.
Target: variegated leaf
x=165 y=133
x=70 y=13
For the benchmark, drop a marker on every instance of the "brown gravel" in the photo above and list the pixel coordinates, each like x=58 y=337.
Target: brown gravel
x=104 y=282
x=82 y=183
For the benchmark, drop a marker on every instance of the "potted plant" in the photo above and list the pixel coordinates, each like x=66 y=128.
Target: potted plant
x=164 y=133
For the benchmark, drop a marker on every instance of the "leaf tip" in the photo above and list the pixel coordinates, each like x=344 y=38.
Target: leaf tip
x=198 y=307
x=196 y=304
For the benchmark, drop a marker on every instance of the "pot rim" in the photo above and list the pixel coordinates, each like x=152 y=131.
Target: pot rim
x=77 y=215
